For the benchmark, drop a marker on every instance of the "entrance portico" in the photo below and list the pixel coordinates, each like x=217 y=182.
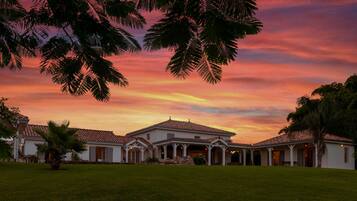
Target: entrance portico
x=135 y=151
x=214 y=151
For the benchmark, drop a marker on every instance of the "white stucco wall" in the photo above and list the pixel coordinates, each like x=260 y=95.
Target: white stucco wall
x=30 y=148
x=117 y=152
x=334 y=157
x=159 y=135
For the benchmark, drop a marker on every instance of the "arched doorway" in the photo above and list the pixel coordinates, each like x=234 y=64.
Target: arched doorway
x=216 y=156
x=134 y=155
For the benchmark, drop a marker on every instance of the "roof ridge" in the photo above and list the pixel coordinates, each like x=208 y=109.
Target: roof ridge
x=88 y=129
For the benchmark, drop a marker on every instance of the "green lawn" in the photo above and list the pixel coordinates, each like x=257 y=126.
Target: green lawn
x=186 y=183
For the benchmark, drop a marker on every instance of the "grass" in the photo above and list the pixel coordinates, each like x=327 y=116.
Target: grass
x=191 y=183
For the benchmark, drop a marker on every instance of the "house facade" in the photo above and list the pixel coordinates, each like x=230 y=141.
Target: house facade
x=179 y=142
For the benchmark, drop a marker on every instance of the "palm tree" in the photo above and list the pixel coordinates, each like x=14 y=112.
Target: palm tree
x=60 y=140
x=204 y=34
x=332 y=111
x=315 y=116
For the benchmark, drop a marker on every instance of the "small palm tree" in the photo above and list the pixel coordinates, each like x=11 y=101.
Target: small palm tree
x=60 y=140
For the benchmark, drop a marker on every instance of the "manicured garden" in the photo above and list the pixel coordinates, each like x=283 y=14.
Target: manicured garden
x=159 y=182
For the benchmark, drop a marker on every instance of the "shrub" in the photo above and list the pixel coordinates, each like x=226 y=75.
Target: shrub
x=152 y=160
x=199 y=160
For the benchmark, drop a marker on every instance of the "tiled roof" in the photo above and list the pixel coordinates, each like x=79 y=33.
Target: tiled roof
x=182 y=126
x=86 y=135
x=299 y=137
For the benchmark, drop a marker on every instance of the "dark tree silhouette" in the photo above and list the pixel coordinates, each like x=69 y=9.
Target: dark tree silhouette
x=332 y=109
x=60 y=139
x=8 y=117
x=77 y=35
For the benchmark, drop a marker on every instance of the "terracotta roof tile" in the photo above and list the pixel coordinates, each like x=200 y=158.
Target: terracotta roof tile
x=86 y=135
x=183 y=126
x=299 y=137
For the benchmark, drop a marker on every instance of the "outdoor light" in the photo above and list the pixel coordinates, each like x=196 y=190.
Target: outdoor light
x=342 y=145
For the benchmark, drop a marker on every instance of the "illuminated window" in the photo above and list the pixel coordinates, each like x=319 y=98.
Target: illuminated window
x=345 y=149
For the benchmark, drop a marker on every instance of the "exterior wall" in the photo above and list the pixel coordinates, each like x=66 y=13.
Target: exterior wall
x=334 y=157
x=31 y=149
x=159 y=135
x=264 y=157
x=117 y=152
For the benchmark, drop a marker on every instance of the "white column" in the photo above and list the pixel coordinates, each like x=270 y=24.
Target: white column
x=270 y=156
x=165 y=152
x=126 y=155
x=185 y=150
x=252 y=156
x=16 y=146
x=174 y=147
x=291 y=147
x=142 y=151
x=244 y=157
x=134 y=153
x=223 y=156
x=209 y=155
x=316 y=155
x=155 y=152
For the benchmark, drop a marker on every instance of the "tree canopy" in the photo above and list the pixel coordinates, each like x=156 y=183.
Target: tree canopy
x=74 y=38
x=331 y=109
x=8 y=117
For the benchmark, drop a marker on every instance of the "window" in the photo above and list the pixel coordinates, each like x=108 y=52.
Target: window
x=170 y=135
x=197 y=137
x=100 y=154
x=345 y=149
x=148 y=136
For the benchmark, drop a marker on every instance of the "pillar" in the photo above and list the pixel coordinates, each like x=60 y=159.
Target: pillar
x=244 y=157
x=185 y=150
x=155 y=152
x=209 y=155
x=223 y=156
x=174 y=147
x=165 y=152
x=291 y=147
x=252 y=156
x=16 y=146
x=270 y=156
x=126 y=155
x=134 y=151
x=142 y=152
x=316 y=155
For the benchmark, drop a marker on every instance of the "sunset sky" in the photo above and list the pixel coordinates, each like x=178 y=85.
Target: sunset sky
x=304 y=43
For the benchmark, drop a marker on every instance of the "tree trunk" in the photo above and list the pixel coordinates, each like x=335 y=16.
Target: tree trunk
x=320 y=153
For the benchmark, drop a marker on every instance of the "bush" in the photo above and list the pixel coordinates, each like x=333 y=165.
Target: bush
x=199 y=160
x=152 y=160
x=75 y=157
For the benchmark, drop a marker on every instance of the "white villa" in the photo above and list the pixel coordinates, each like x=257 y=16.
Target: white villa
x=178 y=142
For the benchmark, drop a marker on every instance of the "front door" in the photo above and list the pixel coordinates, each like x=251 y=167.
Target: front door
x=100 y=154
